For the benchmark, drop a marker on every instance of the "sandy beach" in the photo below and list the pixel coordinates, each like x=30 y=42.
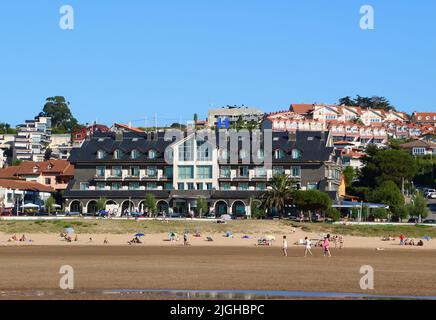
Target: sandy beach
x=220 y=240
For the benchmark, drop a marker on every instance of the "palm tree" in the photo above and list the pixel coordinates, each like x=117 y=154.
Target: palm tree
x=279 y=193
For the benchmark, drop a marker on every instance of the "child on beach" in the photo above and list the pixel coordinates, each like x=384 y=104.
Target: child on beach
x=285 y=246
x=326 y=246
x=308 y=247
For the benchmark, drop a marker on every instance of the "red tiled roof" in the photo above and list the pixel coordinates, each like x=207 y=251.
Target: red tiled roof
x=301 y=108
x=25 y=185
x=60 y=167
x=128 y=128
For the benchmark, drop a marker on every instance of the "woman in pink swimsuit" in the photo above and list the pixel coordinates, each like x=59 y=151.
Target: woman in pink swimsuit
x=326 y=246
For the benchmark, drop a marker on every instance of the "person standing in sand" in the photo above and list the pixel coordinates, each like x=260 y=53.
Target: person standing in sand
x=308 y=247
x=341 y=242
x=285 y=246
x=326 y=246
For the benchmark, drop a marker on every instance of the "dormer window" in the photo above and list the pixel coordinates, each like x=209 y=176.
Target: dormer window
x=278 y=154
x=118 y=154
x=101 y=154
x=134 y=154
x=152 y=154
x=296 y=154
x=35 y=169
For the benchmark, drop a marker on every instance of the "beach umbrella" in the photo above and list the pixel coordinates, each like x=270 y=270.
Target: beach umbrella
x=69 y=230
x=139 y=235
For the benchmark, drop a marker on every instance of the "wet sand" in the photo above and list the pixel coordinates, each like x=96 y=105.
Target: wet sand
x=27 y=269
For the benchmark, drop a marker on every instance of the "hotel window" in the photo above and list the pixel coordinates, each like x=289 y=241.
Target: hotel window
x=151 y=186
x=168 y=172
x=203 y=151
x=169 y=186
x=101 y=154
x=186 y=172
x=116 y=186
x=278 y=154
x=47 y=180
x=181 y=186
x=84 y=185
x=224 y=154
x=330 y=117
x=261 y=186
x=186 y=151
x=100 y=186
x=190 y=186
x=278 y=170
x=134 y=171
x=117 y=172
x=243 y=186
x=225 y=172
x=261 y=154
x=151 y=172
x=134 y=186
x=243 y=172
x=101 y=172
x=152 y=154
x=296 y=172
x=418 y=151
x=199 y=186
x=296 y=154
x=225 y=186
x=118 y=154
x=134 y=154
x=204 y=172
x=260 y=172
x=209 y=186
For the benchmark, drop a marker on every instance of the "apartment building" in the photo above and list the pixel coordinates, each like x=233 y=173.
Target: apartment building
x=229 y=115
x=32 y=139
x=125 y=166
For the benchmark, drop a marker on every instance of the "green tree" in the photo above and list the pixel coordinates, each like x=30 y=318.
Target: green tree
x=349 y=175
x=312 y=201
x=387 y=165
x=58 y=109
x=379 y=213
x=49 y=204
x=5 y=128
x=257 y=212
x=202 y=206
x=279 y=193
x=101 y=204
x=333 y=214
x=418 y=206
x=150 y=203
x=389 y=193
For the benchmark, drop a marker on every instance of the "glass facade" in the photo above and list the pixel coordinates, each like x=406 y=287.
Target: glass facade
x=186 y=172
x=204 y=172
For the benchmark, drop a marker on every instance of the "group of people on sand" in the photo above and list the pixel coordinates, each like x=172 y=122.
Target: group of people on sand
x=308 y=246
x=14 y=238
x=410 y=242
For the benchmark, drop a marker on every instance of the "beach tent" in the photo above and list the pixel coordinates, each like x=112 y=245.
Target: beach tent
x=69 y=230
x=139 y=235
x=30 y=206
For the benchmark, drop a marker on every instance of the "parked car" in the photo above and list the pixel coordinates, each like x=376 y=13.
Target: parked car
x=429 y=221
x=210 y=216
x=176 y=215
x=413 y=220
x=428 y=192
x=431 y=195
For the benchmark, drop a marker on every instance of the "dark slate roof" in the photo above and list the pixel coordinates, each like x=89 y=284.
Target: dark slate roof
x=142 y=142
x=312 y=146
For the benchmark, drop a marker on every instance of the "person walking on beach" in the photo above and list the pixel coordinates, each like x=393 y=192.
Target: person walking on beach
x=308 y=247
x=326 y=246
x=285 y=246
x=341 y=241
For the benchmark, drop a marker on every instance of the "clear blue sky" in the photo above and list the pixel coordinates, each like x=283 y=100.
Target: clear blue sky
x=127 y=60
